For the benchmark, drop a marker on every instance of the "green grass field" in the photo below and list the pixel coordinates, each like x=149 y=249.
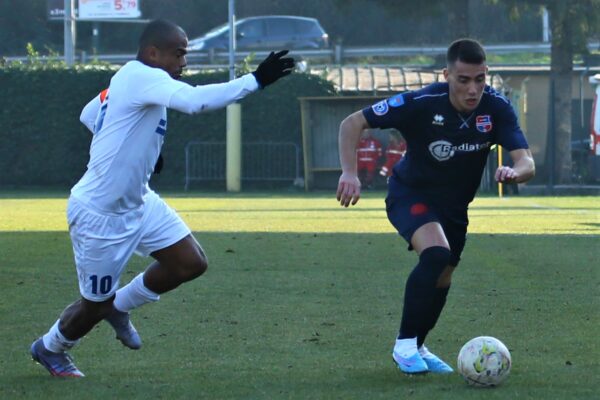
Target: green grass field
x=302 y=300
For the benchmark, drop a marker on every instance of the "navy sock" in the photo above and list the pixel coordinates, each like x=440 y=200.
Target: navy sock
x=419 y=293
x=439 y=300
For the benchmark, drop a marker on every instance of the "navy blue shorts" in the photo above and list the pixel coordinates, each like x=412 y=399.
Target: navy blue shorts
x=408 y=210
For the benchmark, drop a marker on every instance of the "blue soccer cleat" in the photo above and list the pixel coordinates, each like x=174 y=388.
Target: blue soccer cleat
x=58 y=364
x=124 y=329
x=411 y=365
x=434 y=363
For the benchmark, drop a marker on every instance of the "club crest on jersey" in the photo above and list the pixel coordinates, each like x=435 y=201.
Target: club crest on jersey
x=380 y=108
x=483 y=123
x=396 y=101
x=438 y=120
x=441 y=150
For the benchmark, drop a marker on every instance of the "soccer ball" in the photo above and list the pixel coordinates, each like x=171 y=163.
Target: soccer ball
x=484 y=362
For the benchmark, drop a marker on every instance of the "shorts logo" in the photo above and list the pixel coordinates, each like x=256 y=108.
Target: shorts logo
x=396 y=101
x=441 y=150
x=418 y=209
x=483 y=123
x=380 y=108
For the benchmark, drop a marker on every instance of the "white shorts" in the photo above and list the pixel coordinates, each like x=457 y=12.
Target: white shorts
x=103 y=244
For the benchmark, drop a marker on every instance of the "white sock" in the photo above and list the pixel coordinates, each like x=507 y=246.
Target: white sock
x=406 y=348
x=56 y=342
x=134 y=294
x=424 y=351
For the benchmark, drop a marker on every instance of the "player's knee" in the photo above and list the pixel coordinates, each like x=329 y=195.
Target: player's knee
x=433 y=261
x=200 y=266
x=437 y=255
x=101 y=309
x=194 y=267
x=445 y=279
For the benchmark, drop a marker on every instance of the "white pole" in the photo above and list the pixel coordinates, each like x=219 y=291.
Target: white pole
x=545 y=25
x=234 y=147
x=234 y=119
x=232 y=45
x=69 y=32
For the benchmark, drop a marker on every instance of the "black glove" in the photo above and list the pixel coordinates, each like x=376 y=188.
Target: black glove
x=159 y=164
x=273 y=67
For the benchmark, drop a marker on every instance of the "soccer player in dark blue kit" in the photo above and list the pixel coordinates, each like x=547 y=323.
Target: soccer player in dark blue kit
x=449 y=129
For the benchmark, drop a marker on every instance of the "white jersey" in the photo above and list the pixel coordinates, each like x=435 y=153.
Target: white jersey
x=130 y=127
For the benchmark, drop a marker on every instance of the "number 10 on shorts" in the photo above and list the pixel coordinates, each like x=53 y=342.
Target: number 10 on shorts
x=104 y=284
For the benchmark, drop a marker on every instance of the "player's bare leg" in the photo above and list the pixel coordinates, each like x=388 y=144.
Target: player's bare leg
x=410 y=353
x=174 y=265
x=80 y=317
x=75 y=321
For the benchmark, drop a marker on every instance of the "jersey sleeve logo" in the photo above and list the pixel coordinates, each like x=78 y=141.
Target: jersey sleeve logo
x=396 y=101
x=103 y=95
x=483 y=123
x=100 y=118
x=161 y=129
x=380 y=108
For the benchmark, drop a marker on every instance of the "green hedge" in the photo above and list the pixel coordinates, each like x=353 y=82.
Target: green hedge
x=43 y=143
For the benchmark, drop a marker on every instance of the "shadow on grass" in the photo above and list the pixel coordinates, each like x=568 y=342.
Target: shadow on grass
x=292 y=315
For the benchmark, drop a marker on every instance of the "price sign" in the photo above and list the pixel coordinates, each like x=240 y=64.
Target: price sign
x=105 y=9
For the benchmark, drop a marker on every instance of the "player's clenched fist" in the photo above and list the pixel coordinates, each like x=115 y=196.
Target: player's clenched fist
x=505 y=174
x=348 y=191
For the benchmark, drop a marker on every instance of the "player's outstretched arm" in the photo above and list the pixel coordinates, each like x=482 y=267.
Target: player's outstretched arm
x=348 y=191
x=523 y=168
x=273 y=67
x=195 y=99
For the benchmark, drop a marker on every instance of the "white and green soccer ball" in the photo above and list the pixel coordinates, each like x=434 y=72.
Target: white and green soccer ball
x=484 y=362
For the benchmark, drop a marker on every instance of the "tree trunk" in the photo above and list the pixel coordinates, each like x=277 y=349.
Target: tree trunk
x=561 y=77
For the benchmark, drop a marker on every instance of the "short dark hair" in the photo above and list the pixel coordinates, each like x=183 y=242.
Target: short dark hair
x=466 y=50
x=158 y=33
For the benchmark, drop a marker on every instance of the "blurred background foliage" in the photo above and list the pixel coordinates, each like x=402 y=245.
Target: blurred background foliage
x=43 y=142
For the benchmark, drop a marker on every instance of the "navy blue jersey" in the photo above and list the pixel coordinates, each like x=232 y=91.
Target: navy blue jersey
x=446 y=150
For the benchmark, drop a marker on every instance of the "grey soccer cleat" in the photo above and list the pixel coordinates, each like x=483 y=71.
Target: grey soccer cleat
x=58 y=364
x=124 y=329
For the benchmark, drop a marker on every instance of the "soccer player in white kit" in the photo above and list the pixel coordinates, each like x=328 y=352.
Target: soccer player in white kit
x=112 y=212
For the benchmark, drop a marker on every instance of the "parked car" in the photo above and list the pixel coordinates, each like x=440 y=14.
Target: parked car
x=266 y=33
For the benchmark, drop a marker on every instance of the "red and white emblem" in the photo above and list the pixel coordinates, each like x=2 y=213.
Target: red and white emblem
x=483 y=123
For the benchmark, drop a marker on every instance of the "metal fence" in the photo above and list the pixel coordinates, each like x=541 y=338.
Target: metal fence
x=336 y=54
x=261 y=161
